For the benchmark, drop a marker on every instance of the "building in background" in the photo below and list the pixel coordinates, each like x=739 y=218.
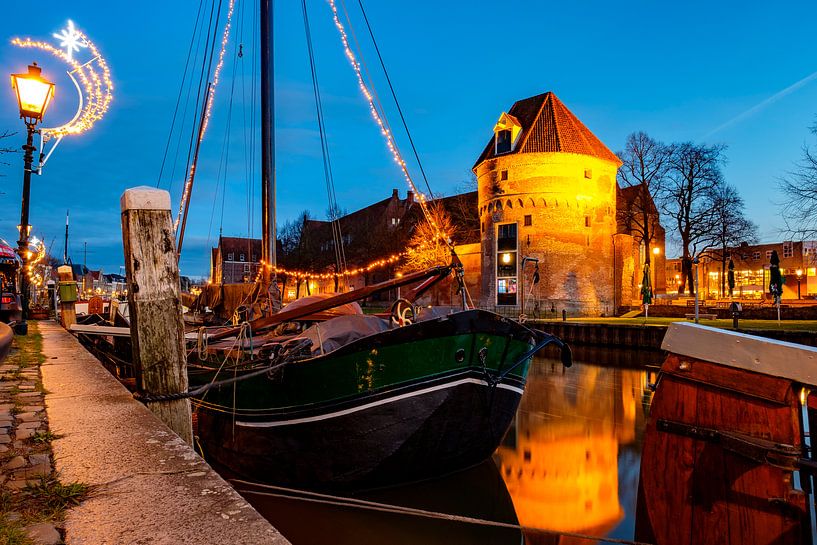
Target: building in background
x=235 y=260
x=798 y=265
x=548 y=191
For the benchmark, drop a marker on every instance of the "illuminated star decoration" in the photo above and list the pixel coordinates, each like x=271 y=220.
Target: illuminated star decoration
x=94 y=79
x=71 y=39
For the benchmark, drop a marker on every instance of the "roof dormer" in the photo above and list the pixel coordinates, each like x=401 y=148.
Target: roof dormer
x=506 y=133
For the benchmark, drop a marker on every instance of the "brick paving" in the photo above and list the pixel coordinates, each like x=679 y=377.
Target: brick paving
x=25 y=452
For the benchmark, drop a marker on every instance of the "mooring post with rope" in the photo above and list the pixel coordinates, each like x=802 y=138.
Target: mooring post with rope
x=157 y=329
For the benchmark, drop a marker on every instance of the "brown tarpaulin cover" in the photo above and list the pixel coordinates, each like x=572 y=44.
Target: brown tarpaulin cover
x=224 y=299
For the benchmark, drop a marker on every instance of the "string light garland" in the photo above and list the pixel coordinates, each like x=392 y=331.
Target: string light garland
x=35 y=263
x=95 y=85
x=303 y=275
x=211 y=94
x=387 y=134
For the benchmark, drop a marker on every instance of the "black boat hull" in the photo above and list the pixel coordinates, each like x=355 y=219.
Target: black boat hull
x=430 y=429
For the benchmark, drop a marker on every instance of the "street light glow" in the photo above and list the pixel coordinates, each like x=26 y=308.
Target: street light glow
x=34 y=94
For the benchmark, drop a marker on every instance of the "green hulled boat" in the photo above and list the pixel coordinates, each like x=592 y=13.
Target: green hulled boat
x=394 y=405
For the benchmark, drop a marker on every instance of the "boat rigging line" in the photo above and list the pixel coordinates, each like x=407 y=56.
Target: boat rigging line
x=337 y=235
x=181 y=92
x=207 y=105
x=393 y=94
x=355 y=503
x=379 y=120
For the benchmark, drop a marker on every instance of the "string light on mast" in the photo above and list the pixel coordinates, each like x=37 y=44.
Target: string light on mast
x=384 y=130
x=211 y=94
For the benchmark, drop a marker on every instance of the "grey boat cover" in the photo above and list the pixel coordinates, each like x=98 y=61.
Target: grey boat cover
x=330 y=335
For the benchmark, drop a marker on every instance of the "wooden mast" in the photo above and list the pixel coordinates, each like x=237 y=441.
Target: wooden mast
x=268 y=237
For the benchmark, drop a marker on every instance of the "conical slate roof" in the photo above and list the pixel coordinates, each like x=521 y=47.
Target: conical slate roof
x=548 y=126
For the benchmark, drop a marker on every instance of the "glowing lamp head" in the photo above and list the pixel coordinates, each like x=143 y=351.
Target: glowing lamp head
x=34 y=94
x=506 y=258
x=799 y=273
x=656 y=250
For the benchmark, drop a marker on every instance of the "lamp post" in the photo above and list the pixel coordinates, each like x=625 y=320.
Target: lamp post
x=799 y=273
x=34 y=93
x=695 y=262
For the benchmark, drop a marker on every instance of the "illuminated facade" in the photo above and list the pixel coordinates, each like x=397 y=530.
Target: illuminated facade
x=547 y=192
x=752 y=271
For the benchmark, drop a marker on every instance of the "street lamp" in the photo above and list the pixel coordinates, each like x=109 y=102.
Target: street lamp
x=799 y=273
x=34 y=94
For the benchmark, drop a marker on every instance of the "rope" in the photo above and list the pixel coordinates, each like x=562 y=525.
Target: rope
x=201 y=343
x=181 y=90
x=345 y=501
x=394 y=96
x=337 y=235
x=284 y=359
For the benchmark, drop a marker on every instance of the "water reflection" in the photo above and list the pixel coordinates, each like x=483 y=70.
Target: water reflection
x=569 y=464
x=562 y=459
x=476 y=493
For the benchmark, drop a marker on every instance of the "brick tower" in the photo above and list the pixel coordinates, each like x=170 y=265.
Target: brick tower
x=547 y=190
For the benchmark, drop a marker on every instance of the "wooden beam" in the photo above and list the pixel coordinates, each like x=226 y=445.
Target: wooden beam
x=157 y=329
x=100 y=330
x=433 y=275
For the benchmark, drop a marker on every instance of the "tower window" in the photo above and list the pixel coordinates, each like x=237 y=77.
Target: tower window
x=588 y=173
x=506 y=264
x=587 y=221
x=503 y=174
x=528 y=221
x=503 y=141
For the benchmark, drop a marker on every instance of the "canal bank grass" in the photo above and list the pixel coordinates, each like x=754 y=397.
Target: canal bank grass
x=44 y=498
x=783 y=325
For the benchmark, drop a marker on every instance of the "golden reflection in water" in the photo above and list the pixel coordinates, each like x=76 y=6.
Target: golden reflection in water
x=560 y=458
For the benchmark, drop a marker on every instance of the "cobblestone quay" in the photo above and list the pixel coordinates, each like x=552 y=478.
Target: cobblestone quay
x=145 y=484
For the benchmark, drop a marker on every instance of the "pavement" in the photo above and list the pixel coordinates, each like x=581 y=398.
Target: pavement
x=148 y=486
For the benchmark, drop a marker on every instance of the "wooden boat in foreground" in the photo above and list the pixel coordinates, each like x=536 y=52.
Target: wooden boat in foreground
x=726 y=455
x=357 y=401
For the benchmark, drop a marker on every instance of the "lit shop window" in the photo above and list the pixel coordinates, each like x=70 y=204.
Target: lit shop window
x=506 y=264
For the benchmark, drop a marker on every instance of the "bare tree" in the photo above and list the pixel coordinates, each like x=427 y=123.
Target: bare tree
x=298 y=247
x=425 y=248
x=694 y=176
x=731 y=226
x=4 y=149
x=645 y=164
x=799 y=209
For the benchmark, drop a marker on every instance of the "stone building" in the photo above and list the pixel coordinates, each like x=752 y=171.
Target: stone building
x=235 y=260
x=547 y=191
x=378 y=231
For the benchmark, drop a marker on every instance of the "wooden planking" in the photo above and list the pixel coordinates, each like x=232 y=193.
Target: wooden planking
x=693 y=491
x=741 y=351
x=100 y=330
x=748 y=383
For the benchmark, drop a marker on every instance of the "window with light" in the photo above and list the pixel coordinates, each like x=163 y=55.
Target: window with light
x=506 y=264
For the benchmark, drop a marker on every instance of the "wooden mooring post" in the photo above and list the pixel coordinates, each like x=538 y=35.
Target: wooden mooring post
x=157 y=329
x=68 y=296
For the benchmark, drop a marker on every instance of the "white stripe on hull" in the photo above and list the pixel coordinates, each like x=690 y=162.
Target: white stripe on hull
x=374 y=404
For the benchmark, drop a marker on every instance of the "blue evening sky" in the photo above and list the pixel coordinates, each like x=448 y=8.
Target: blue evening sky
x=677 y=70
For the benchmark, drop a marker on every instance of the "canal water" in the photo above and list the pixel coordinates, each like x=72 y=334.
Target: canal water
x=569 y=464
